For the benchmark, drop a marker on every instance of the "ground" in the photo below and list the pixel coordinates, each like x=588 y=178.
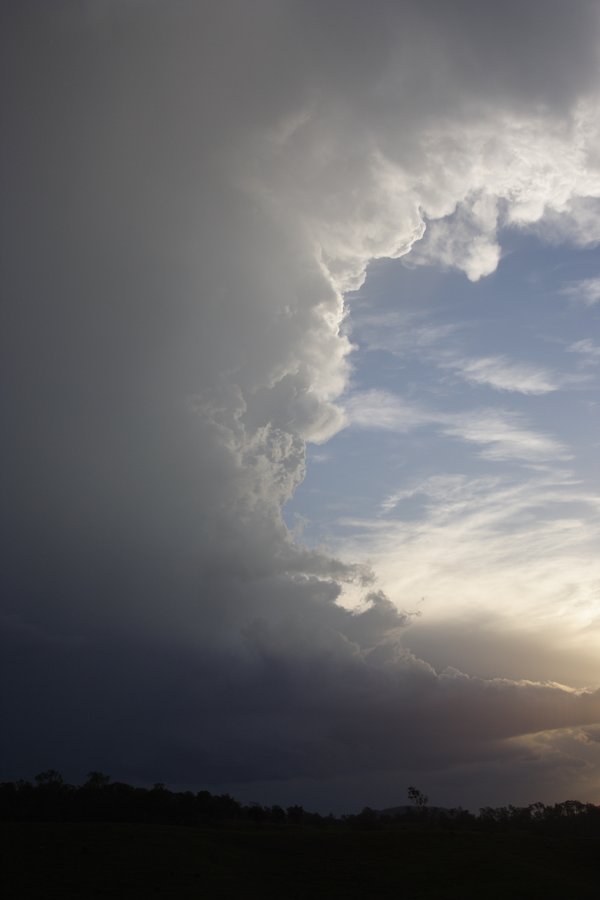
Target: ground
x=46 y=861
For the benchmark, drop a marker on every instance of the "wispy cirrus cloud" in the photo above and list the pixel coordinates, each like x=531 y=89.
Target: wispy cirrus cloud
x=587 y=350
x=502 y=435
x=438 y=344
x=382 y=410
x=585 y=291
x=500 y=556
x=400 y=333
x=504 y=374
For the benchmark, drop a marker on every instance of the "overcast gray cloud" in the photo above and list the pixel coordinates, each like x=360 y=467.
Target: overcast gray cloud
x=189 y=190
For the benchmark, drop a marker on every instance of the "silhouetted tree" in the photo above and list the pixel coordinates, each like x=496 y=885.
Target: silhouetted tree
x=417 y=797
x=295 y=814
x=96 y=780
x=50 y=799
x=367 y=818
x=277 y=815
x=49 y=779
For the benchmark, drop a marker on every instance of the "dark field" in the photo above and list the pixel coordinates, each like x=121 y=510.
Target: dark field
x=91 y=860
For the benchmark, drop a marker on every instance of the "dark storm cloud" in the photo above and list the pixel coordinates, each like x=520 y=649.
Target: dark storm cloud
x=188 y=190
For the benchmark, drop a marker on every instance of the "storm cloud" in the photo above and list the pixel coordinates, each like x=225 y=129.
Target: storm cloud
x=190 y=190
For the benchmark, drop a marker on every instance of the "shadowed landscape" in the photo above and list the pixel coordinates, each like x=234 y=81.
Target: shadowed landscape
x=112 y=840
x=299 y=504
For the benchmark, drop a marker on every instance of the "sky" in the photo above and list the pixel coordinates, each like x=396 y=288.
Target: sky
x=300 y=354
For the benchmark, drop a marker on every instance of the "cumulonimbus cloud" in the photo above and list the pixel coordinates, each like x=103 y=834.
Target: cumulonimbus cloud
x=192 y=190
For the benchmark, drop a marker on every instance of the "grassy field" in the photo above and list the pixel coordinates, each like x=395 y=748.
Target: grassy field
x=41 y=860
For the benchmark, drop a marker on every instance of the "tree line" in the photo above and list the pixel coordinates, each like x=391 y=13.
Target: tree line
x=49 y=798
